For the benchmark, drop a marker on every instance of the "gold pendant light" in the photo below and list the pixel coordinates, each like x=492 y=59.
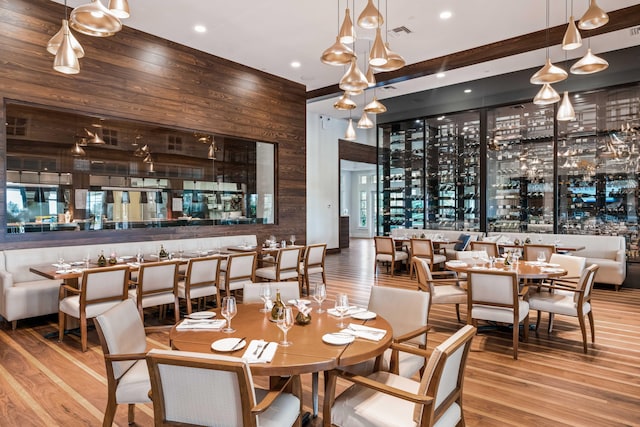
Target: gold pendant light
x=566 y=111
x=364 y=122
x=344 y=103
x=119 y=8
x=56 y=41
x=371 y=78
x=378 y=55
x=354 y=92
x=354 y=79
x=572 y=39
x=94 y=19
x=394 y=61
x=66 y=61
x=350 y=134
x=593 y=18
x=589 y=64
x=549 y=73
x=375 y=107
x=546 y=95
x=370 y=17
x=337 y=54
x=347 y=34
x=77 y=150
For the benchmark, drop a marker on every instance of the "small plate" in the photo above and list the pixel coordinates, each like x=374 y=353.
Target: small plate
x=227 y=344
x=202 y=315
x=364 y=315
x=295 y=302
x=338 y=339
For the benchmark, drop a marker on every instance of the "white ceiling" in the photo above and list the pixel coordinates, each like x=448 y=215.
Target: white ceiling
x=269 y=35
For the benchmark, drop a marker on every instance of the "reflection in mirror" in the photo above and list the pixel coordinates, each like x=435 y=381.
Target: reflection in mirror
x=73 y=172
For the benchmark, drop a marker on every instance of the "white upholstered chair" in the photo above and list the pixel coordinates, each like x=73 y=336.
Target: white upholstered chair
x=157 y=285
x=208 y=389
x=239 y=269
x=201 y=280
x=124 y=346
x=286 y=267
x=494 y=296
x=423 y=249
x=100 y=289
x=491 y=248
x=443 y=290
x=530 y=251
x=574 y=265
x=386 y=252
x=568 y=301
x=384 y=399
x=288 y=291
x=313 y=263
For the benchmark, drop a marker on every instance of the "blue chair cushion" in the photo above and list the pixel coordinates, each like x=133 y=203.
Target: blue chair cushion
x=463 y=242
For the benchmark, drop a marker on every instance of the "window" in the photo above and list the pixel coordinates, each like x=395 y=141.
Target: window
x=16 y=126
x=174 y=143
x=363 y=207
x=110 y=136
x=363 y=179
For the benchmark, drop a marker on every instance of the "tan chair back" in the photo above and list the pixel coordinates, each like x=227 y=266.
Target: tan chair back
x=586 y=284
x=288 y=291
x=314 y=255
x=241 y=266
x=531 y=251
x=202 y=272
x=574 y=265
x=384 y=245
x=422 y=248
x=104 y=284
x=491 y=248
x=288 y=259
x=493 y=288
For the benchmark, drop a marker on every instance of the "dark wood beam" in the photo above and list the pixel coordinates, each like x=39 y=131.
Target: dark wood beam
x=618 y=20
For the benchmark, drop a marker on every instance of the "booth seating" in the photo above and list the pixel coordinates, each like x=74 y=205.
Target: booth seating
x=453 y=236
x=24 y=294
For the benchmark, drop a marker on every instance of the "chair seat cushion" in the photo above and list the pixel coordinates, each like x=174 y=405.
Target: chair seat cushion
x=283 y=411
x=499 y=314
x=556 y=303
x=439 y=259
x=134 y=385
x=71 y=306
x=400 y=256
x=270 y=273
x=409 y=364
x=153 y=300
x=449 y=294
x=198 y=291
x=312 y=270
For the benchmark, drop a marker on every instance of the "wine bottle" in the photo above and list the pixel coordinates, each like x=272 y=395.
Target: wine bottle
x=278 y=307
x=102 y=261
x=163 y=253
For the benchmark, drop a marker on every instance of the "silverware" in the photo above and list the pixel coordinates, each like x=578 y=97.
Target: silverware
x=263 y=349
x=235 y=347
x=259 y=348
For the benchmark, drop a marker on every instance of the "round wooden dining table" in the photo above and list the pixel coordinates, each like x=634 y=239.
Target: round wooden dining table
x=526 y=269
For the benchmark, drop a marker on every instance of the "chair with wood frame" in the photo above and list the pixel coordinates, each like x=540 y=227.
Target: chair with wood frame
x=201 y=280
x=190 y=389
x=287 y=266
x=124 y=346
x=568 y=301
x=238 y=270
x=385 y=399
x=100 y=289
x=288 y=291
x=491 y=248
x=423 y=249
x=386 y=252
x=495 y=296
x=157 y=285
x=445 y=289
x=313 y=263
x=530 y=251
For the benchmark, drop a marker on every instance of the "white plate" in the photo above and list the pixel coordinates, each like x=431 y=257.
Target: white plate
x=364 y=315
x=202 y=315
x=338 y=339
x=295 y=302
x=226 y=344
x=553 y=265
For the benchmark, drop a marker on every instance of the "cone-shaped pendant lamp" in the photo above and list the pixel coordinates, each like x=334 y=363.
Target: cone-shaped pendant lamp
x=347 y=34
x=56 y=41
x=546 y=95
x=593 y=18
x=572 y=39
x=77 y=150
x=365 y=122
x=589 y=64
x=66 y=61
x=549 y=73
x=211 y=154
x=378 y=54
x=337 y=54
x=94 y=19
x=394 y=61
x=566 y=111
x=350 y=134
x=354 y=79
x=375 y=107
x=344 y=103
x=119 y=8
x=370 y=17
x=371 y=78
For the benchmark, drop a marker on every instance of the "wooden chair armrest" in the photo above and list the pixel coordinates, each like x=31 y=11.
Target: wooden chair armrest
x=444 y=273
x=271 y=396
x=524 y=291
x=64 y=289
x=383 y=388
x=415 y=333
x=405 y=348
x=124 y=357
x=559 y=287
x=437 y=282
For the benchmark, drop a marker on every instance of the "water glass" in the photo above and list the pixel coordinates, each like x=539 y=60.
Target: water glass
x=319 y=294
x=292 y=239
x=228 y=311
x=265 y=295
x=342 y=306
x=541 y=257
x=285 y=322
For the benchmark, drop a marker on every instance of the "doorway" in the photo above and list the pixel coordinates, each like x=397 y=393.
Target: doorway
x=358 y=197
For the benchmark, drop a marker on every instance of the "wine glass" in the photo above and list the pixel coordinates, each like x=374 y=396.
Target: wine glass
x=228 y=311
x=292 y=239
x=60 y=259
x=342 y=306
x=285 y=322
x=319 y=294
x=265 y=295
x=516 y=256
x=475 y=255
x=541 y=258
x=86 y=260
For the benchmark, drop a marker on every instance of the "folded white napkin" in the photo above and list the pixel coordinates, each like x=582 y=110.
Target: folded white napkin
x=352 y=310
x=208 y=324
x=133 y=264
x=458 y=263
x=64 y=265
x=265 y=350
x=366 y=332
x=551 y=270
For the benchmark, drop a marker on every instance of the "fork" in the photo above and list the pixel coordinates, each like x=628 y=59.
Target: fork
x=258 y=348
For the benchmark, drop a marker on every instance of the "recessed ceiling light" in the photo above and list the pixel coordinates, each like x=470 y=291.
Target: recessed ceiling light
x=467 y=91
x=440 y=75
x=441 y=118
x=445 y=14
x=295 y=64
x=200 y=29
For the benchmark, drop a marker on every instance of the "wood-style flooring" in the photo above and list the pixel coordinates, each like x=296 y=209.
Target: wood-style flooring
x=553 y=383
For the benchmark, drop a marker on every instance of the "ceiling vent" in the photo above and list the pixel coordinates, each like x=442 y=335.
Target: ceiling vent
x=399 y=31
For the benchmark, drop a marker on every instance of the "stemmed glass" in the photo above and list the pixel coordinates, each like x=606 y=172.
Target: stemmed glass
x=342 y=306
x=541 y=258
x=292 y=239
x=86 y=260
x=285 y=322
x=475 y=257
x=265 y=295
x=319 y=294
x=516 y=256
x=60 y=259
x=228 y=311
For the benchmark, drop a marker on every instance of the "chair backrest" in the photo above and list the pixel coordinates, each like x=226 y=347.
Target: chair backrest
x=574 y=265
x=384 y=245
x=493 y=288
x=405 y=309
x=586 y=283
x=288 y=259
x=423 y=274
x=531 y=251
x=121 y=331
x=314 y=255
x=482 y=255
x=200 y=389
x=104 y=284
x=422 y=248
x=444 y=375
x=241 y=266
x=491 y=248
x=203 y=271
x=157 y=277
x=288 y=290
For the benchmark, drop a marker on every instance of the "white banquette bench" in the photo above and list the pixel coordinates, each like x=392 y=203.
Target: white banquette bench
x=606 y=251
x=450 y=235
x=24 y=294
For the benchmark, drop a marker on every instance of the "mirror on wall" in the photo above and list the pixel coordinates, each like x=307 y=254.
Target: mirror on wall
x=75 y=172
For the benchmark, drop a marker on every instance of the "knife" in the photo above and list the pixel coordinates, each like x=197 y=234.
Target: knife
x=263 y=349
x=238 y=343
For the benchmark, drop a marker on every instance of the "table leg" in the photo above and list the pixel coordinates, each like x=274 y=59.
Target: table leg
x=314 y=393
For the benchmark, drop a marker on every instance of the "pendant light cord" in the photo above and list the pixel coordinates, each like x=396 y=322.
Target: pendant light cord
x=547 y=34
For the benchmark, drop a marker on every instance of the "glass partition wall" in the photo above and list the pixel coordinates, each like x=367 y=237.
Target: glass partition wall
x=66 y=171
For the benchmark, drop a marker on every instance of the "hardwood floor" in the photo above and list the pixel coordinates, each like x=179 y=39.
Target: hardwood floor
x=553 y=383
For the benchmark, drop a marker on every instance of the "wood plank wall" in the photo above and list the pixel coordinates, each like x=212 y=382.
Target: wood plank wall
x=137 y=76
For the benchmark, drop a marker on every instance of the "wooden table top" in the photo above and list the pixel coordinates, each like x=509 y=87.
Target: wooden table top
x=525 y=269
x=307 y=354
x=559 y=248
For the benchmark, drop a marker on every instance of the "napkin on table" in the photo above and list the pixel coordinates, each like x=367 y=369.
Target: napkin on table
x=208 y=324
x=63 y=265
x=366 y=332
x=352 y=310
x=255 y=348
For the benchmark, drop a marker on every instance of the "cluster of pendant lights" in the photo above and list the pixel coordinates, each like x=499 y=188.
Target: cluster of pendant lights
x=93 y=19
x=354 y=81
x=593 y=18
